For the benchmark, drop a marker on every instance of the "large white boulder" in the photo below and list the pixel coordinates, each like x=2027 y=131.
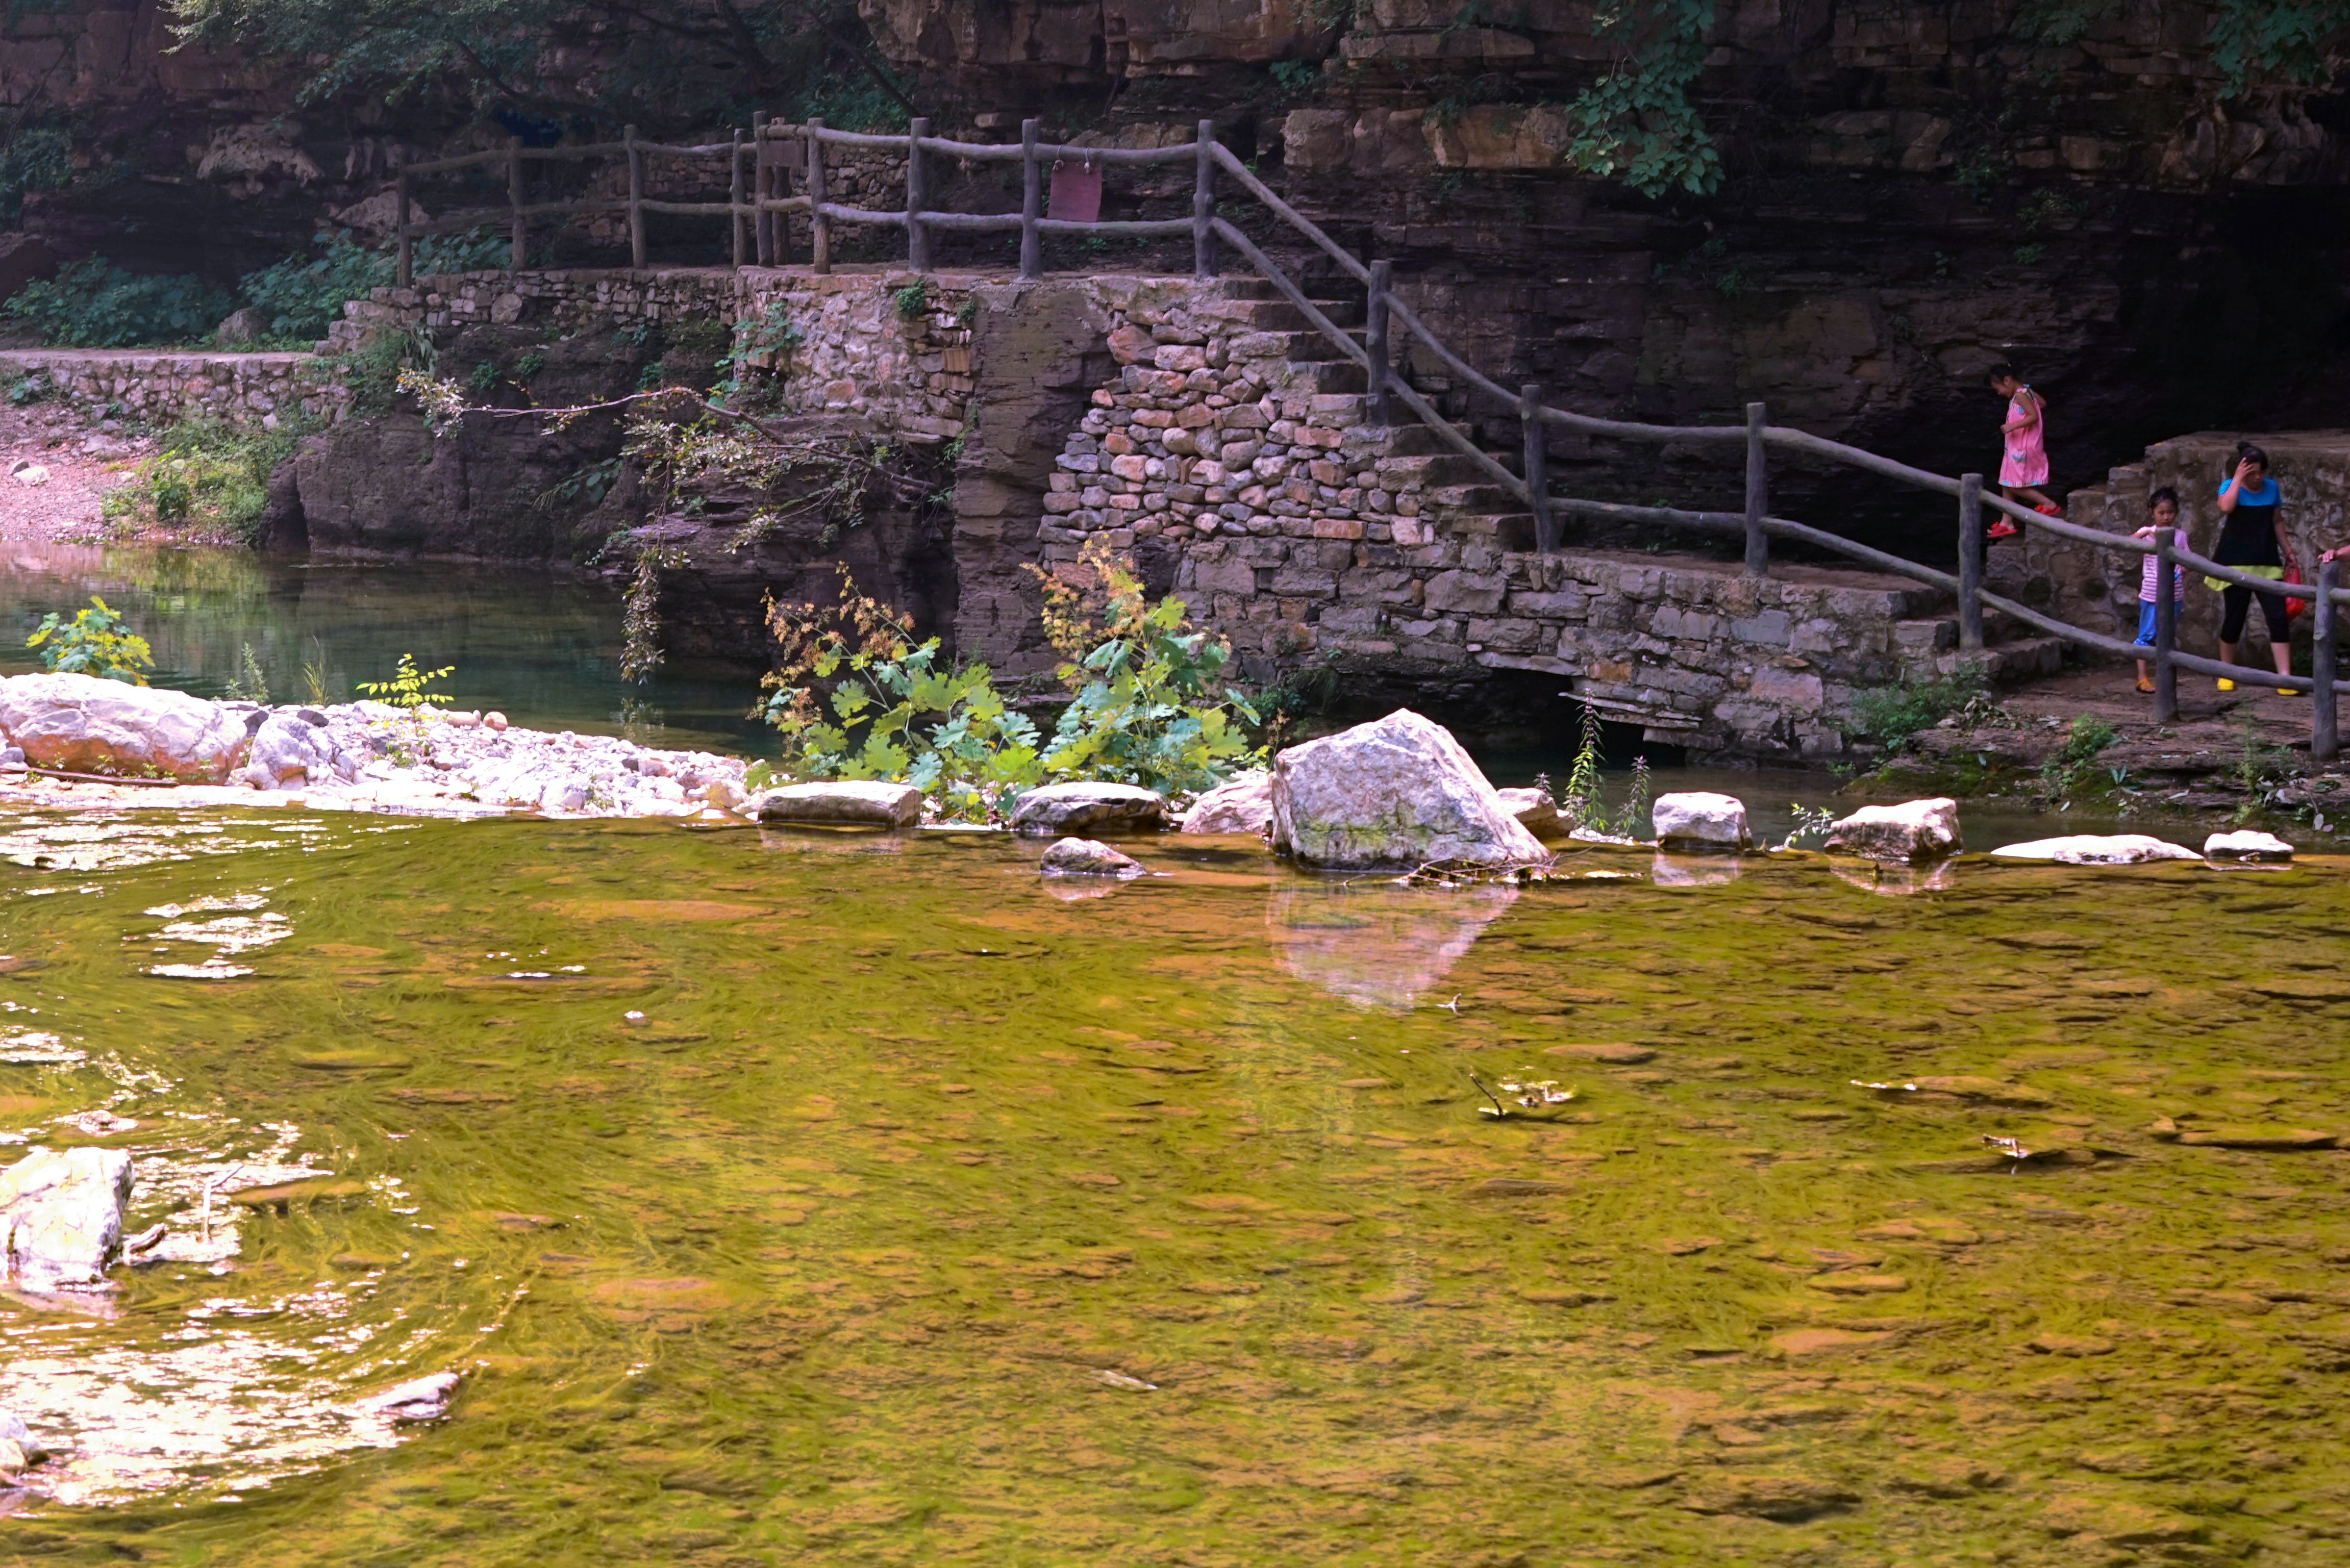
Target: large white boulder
x=1699 y=819
x=288 y=750
x=81 y=724
x=2095 y=849
x=1400 y=792
x=844 y=802
x=1243 y=805
x=2248 y=845
x=1063 y=809
x=1911 y=834
x=1536 y=811
x=61 y=1215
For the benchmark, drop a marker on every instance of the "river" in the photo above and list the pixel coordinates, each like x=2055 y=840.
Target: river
x=797 y=1198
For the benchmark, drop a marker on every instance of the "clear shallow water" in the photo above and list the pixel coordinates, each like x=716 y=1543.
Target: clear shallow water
x=853 y=1249
x=543 y=647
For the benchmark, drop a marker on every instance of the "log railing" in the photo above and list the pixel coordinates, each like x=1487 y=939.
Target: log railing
x=755 y=205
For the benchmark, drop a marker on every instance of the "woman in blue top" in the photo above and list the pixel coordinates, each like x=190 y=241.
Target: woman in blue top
x=2251 y=539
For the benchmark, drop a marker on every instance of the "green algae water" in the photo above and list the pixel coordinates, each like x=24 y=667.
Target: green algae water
x=818 y=1199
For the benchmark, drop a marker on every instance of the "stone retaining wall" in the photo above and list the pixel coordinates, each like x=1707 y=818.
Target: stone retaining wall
x=878 y=344
x=149 y=387
x=1302 y=532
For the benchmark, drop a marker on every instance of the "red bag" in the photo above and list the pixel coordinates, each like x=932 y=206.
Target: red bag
x=2293 y=606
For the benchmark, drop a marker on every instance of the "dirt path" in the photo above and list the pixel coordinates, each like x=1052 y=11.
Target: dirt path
x=81 y=465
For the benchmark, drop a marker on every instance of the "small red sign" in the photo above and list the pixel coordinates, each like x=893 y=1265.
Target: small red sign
x=1076 y=192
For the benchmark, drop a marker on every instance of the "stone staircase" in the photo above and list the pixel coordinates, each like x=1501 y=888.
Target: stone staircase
x=1460 y=499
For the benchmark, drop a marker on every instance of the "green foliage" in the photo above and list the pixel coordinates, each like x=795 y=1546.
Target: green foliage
x=93 y=303
x=2061 y=775
x=1636 y=124
x=251 y=683
x=408 y=688
x=2283 y=39
x=371 y=371
x=854 y=697
x=1889 y=715
x=1582 y=803
x=212 y=474
x=303 y=295
x=32 y=158
x=640 y=649
x=95 y=641
x=32 y=387
x=1810 y=822
x=913 y=300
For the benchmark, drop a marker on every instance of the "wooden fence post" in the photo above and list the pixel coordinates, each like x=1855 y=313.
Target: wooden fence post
x=1375 y=339
x=2324 y=743
x=636 y=199
x=1758 y=493
x=2166 y=626
x=918 y=197
x=734 y=196
x=1203 y=204
x=1537 y=451
x=518 y=241
x=762 y=188
x=405 y=272
x=1970 y=561
x=819 y=226
x=1032 y=202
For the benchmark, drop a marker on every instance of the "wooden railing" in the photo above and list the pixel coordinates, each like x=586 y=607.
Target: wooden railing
x=754 y=206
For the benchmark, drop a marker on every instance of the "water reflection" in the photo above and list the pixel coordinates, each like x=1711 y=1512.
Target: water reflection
x=1379 y=945
x=542 y=646
x=1892 y=881
x=1693 y=871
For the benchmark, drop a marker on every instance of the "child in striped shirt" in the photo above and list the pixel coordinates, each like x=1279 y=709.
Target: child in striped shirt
x=2162 y=506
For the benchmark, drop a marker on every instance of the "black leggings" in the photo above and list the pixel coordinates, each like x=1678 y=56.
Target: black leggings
x=2236 y=603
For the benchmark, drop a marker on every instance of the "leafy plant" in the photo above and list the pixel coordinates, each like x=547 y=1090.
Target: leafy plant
x=95 y=641
x=250 y=683
x=303 y=295
x=640 y=649
x=2282 y=39
x=32 y=158
x=1636 y=124
x=1810 y=822
x=408 y=689
x=314 y=674
x=93 y=303
x=2062 y=774
x=1889 y=715
x=1635 y=799
x=911 y=301
x=1582 y=803
x=32 y=387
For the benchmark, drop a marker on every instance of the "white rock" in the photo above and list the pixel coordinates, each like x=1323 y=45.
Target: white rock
x=2092 y=849
x=845 y=803
x=1087 y=857
x=1243 y=805
x=1696 y=819
x=81 y=724
x=1910 y=834
x=30 y=473
x=1063 y=808
x=2248 y=845
x=61 y=1214
x=424 y=1398
x=14 y=1431
x=288 y=751
x=493 y=720
x=1535 y=810
x=1399 y=791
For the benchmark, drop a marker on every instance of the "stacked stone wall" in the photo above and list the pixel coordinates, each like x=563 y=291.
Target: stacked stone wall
x=148 y=387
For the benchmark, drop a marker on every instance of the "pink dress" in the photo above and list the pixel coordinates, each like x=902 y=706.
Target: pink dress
x=2027 y=462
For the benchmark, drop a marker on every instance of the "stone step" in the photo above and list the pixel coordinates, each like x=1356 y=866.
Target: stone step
x=1471 y=500
x=1436 y=468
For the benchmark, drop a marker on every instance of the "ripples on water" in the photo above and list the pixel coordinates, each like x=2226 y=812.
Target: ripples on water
x=841 y=1201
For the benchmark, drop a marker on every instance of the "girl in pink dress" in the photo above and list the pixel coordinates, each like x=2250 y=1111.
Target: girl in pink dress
x=2023 y=466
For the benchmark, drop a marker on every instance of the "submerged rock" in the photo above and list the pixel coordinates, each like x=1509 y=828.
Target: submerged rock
x=79 y=723
x=845 y=803
x=1913 y=833
x=1536 y=811
x=2096 y=849
x=1089 y=858
x=61 y=1215
x=2248 y=845
x=1698 y=819
x=1396 y=792
x=424 y=1398
x=1243 y=805
x=1063 y=808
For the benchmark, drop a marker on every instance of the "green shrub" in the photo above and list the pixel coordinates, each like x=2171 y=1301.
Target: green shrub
x=1889 y=715
x=33 y=158
x=304 y=293
x=93 y=303
x=2062 y=773
x=208 y=474
x=95 y=641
